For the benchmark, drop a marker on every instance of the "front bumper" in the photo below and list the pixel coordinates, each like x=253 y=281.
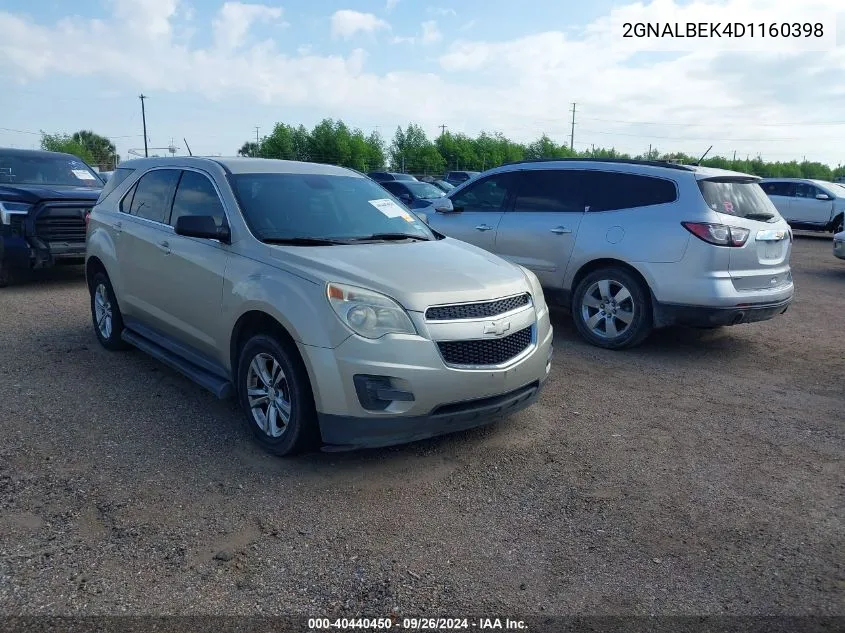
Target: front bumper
x=25 y=253
x=706 y=316
x=444 y=399
x=839 y=248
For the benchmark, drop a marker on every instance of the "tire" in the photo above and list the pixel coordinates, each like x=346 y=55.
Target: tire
x=839 y=224
x=593 y=314
x=5 y=276
x=289 y=427
x=105 y=314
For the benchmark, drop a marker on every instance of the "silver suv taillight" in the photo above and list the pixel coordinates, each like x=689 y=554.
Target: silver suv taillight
x=718 y=234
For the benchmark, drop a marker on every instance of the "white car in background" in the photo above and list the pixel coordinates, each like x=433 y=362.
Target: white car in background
x=814 y=205
x=839 y=245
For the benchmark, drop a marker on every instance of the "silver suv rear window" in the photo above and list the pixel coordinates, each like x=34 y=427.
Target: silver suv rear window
x=737 y=196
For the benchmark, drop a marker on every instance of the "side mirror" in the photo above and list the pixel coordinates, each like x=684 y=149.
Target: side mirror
x=423 y=217
x=202 y=226
x=405 y=197
x=444 y=205
x=822 y=196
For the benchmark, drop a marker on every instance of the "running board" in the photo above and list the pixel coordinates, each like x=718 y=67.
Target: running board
x=220 y=387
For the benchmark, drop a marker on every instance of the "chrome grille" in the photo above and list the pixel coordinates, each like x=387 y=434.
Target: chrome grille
x=493 y=351
x=482 y=310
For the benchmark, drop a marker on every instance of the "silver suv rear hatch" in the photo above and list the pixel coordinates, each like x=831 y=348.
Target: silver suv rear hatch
x=763 y=260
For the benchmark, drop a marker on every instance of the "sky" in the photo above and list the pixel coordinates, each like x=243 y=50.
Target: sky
x=214 y=71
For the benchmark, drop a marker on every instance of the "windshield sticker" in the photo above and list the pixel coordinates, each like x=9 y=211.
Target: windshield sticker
x=83 y=174
x=389 y=208
x=407 y=217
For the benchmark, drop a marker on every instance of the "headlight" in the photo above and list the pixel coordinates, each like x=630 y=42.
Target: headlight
x=536 y=288
x=8 y=209
x=370 y=314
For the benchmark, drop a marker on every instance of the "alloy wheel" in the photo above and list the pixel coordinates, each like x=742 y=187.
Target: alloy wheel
x=269 y=395
x=608 y=308
x=103 y=311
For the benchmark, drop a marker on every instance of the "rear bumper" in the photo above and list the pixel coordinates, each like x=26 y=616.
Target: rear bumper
x=343 y=433
x=706 y=316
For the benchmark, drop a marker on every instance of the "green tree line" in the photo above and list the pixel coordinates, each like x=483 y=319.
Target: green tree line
x=412 y=151
x=96 y=150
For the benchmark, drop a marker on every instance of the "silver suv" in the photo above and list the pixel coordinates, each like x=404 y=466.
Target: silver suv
x=631 y=245
x=309 y=293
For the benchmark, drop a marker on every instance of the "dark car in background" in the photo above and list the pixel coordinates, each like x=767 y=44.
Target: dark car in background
x=459 y=177
x=415 y=195
x=45 y=198
x=388 y=176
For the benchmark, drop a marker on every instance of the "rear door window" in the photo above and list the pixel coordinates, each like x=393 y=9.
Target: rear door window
x=740 y=197
x=611 y=191
x=550 y=190
x=780 y=188
x=153 y=195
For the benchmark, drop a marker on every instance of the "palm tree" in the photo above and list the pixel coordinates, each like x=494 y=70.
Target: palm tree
x=101 y=148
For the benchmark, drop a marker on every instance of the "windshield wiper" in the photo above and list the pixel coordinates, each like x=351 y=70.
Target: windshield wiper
x=302 y=241
x=759 y=216
x=391 y=236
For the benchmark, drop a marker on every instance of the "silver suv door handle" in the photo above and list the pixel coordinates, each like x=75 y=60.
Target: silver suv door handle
x=118 y=226
x=560 y=230
x=165 y=246
x=483 y=227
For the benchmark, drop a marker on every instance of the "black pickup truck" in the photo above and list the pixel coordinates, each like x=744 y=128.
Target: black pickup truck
x=45 y=198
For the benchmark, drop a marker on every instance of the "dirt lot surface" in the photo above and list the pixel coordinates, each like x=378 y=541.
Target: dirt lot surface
x=700 y=473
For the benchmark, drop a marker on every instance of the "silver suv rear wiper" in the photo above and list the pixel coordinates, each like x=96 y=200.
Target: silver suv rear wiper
x=759 y=216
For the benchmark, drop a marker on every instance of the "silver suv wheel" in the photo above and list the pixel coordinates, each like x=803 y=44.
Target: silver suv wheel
x=608 y=308
x=103 y=310
x=268 y=394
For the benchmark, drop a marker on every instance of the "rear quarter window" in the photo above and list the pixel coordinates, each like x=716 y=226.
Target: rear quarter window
x=114 y=182
x=611 y=191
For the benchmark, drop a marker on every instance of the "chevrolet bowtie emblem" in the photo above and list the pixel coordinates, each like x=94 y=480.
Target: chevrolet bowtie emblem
x=497 y=327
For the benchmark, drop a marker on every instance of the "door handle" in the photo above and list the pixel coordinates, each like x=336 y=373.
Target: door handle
x=560 y=230
x=483 y=227
x=165 y=246
x=118 y=226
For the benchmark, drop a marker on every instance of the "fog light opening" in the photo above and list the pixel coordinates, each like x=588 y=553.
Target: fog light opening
x=377 y=393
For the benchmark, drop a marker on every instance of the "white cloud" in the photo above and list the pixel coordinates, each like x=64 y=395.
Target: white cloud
x=391 y=4
x=346 y=23
x=235 y=19
x=430 y=32
x=446 y=12
x=749 y=102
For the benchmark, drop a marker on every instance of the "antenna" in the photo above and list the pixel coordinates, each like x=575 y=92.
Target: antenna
x=190 y=153
x=703 y=155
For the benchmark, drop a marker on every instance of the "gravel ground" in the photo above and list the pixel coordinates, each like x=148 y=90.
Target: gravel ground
x=699 y=474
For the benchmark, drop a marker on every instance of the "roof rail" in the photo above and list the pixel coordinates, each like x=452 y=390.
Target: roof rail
x=630 y=161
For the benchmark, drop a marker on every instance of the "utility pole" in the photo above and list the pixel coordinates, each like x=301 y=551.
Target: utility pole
x=255 y=152
x=649 y=151
x=144 y=119
x=572 y=134
x=734 y=156
x=442 y=127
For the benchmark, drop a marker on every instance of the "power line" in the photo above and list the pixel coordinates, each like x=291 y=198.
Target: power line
x=802 y=124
